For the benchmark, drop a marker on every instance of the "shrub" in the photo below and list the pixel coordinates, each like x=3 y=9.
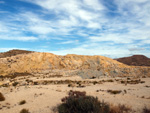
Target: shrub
x=93 y=77
x=120 y=109
x=15 y=83
x=78 y=102
x=95 y=82
x=146 y=110
x=2 y=98
x=35 y=83
x=114 y=91
x=123 y=82
x=24 y=111
x=142 y=82
x=22 y=102
x=110 y=80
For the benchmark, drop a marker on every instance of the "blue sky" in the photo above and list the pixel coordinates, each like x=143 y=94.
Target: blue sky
x=112 y=28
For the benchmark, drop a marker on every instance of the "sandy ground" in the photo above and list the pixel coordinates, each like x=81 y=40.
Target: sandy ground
x=42 y=98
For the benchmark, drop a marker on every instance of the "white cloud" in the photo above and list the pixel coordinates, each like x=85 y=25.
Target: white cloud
x=69 y=42
x=87 y=20
x=93 y=25
x=102 y=49
x=94 y=4
x=71 y=21
x=116 y=38
x=72 y=9
x=41 y=29
x=27 y=38
x=21 y=38
x=3 y=28
x=99 y=50
x=2 y=2
x=146 y=41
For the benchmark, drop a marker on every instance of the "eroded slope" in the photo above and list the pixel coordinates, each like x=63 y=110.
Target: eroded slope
x=84 y=66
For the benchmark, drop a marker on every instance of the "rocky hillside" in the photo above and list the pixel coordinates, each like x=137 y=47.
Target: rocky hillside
x=135 y=60
x=84 y=66
x=13 y=53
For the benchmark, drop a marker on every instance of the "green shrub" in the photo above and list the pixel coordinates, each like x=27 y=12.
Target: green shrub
x=2 y=98
x=78 y=102
x=24 y=111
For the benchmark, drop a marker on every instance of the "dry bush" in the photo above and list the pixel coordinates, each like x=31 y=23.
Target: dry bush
x=24 y=111
x=114 y=91
x=35 y=83
x=146 y=110
x=110 y=80
x=120 y=109
x=22 y=102
x=2 y=98
x=15 y=84
x=78 y=102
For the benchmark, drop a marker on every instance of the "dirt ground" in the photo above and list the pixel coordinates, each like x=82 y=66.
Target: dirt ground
x=41 y=98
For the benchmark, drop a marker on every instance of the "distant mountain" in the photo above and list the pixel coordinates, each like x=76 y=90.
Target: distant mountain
x=13 y=53
x=135 y=60
x=82 y=65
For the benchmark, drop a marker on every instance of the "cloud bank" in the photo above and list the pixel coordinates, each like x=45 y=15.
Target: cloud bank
x=91 y=27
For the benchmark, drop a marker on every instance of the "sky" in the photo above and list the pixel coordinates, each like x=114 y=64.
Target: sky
x=112 y=28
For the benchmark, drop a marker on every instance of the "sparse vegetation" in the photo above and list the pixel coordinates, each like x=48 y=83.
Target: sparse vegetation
x=146 y=110
x=95 y=82
x=110 y=80
x=22 y=102
x=15 y=83
x=142 y=82
x=134 y=81
x=24 y=111
x=120 y=109
x=35 y=83
x=93 y=77
x=2 y=98
x=114 y=91
x=78 y=102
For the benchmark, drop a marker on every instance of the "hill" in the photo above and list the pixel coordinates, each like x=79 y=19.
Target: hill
x=135 y=60
x=45 y=78
x=84 y=66
x=13 y=53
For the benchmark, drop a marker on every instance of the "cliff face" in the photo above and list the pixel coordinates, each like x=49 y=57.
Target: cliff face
x=84 y=66
x=135 y=60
